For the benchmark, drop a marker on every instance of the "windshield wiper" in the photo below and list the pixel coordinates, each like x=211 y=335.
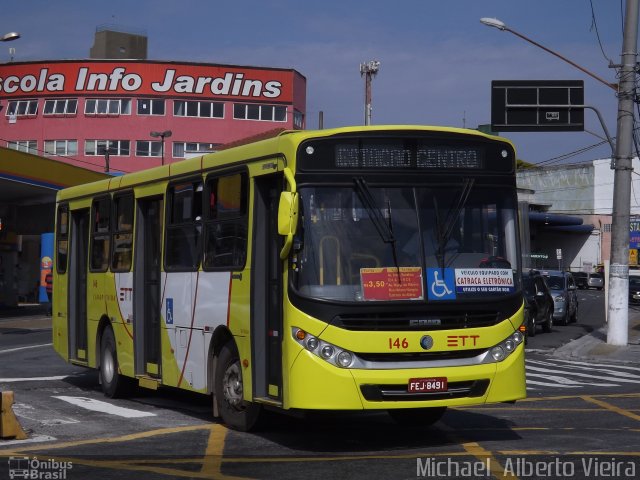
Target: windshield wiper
x=444 y=232
x=384 y=228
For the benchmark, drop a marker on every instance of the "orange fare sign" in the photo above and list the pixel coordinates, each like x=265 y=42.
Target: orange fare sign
x=391 y=283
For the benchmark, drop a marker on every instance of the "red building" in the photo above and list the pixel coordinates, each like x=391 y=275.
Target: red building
x=73 y=111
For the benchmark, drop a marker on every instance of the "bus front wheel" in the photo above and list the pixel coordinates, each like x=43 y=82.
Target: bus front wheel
x=236 y=412
x=113 y=383
x=417 y=416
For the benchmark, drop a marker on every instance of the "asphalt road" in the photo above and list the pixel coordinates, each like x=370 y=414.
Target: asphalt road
x=580 y=420
x=591 y=316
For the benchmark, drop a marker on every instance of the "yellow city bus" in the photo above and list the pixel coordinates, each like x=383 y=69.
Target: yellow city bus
x=357 y=268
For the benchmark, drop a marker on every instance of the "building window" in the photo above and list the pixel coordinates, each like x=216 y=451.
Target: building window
x=147 y=106
x=22 y=108
x=61 y=106
x=267 y=113
x=107 y=106
x=147 y=148
x=64 y=148
x=606 y=228
x=184 y=224
x=298 y=119
x=183 y=108
x=181 y=149
x=119 y=148
x=28 y=146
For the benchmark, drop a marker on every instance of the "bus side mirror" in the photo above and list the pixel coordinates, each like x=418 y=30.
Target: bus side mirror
x=287 y=220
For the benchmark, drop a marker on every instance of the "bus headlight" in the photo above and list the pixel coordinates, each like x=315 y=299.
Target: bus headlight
x=498 y=353
x=344 y=359
x=312 y=343
x=325 y=350
x=505 y=348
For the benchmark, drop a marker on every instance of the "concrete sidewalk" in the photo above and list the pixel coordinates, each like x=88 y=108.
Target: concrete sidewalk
x=29 y=316
x=594 y=346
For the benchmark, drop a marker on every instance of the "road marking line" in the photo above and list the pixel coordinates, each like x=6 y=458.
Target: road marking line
x=122 y=438
x=213 y=455
x=625 y=367
x=36 y=439
x=610 y=407
x=104 y=407
x=33 y=379
x=25 y=348
x=588 y=375
x=546 y=384
x=591 y=369
x=567 y=381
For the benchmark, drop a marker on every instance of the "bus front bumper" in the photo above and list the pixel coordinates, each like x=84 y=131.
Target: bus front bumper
x=317 y=385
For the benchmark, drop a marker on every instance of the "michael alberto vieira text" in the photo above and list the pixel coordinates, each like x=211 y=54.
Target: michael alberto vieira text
x=591 y=467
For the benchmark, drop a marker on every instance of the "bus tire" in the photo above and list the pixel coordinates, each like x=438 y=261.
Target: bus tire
x=114 y=384
x=236 y=412
x=417 y=416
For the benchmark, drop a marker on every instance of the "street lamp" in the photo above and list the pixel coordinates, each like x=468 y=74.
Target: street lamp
x=8 y=37
x=162 y=135
x=495 y=23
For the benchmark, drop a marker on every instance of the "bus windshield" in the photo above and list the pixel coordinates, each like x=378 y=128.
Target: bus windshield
x=428 y=243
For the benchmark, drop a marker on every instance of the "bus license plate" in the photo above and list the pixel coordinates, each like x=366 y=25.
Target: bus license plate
x=421 y=385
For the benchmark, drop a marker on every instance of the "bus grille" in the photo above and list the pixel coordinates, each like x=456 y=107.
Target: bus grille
x=432 y=321
x=421 y=356
x=394 y=393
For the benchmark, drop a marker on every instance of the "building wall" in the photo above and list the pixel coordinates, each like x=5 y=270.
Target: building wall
x=584 y=190
x=269 y=97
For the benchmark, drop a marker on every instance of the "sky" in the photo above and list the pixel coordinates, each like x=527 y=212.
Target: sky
x=437 y=60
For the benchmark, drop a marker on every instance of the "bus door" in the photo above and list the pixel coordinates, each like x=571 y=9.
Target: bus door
x=146 y=287
x=266 y=301
x=77 y=288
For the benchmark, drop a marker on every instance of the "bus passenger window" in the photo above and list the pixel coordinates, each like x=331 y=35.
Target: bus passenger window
x=123 y=233
x=226 y=226
x=62 y=238
x=100 y=237
x=184 y=226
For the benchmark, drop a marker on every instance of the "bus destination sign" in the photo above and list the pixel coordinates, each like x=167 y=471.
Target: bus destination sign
x=380 y=156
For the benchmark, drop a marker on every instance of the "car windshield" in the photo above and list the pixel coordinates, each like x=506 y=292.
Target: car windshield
x=555 y=282
x=362 y=242
x=634 y=282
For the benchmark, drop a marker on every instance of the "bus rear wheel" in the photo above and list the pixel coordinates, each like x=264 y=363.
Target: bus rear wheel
x=417 y=416
x=114 y=384
x=236 y=412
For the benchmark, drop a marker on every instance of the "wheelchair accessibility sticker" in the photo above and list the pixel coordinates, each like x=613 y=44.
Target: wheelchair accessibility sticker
x=441 y=284
x=169 y=316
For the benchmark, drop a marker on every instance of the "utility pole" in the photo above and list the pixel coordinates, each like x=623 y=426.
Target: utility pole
x=618 y=308
x=368 y=70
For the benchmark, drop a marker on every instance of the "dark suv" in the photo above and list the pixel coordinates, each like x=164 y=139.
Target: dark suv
x=538 y=303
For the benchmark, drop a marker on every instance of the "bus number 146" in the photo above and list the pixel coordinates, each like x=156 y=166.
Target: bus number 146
x=397 y=343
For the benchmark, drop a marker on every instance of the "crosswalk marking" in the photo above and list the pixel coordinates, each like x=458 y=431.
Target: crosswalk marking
x=592 y=368
x=104 y=407
x=571 y=374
